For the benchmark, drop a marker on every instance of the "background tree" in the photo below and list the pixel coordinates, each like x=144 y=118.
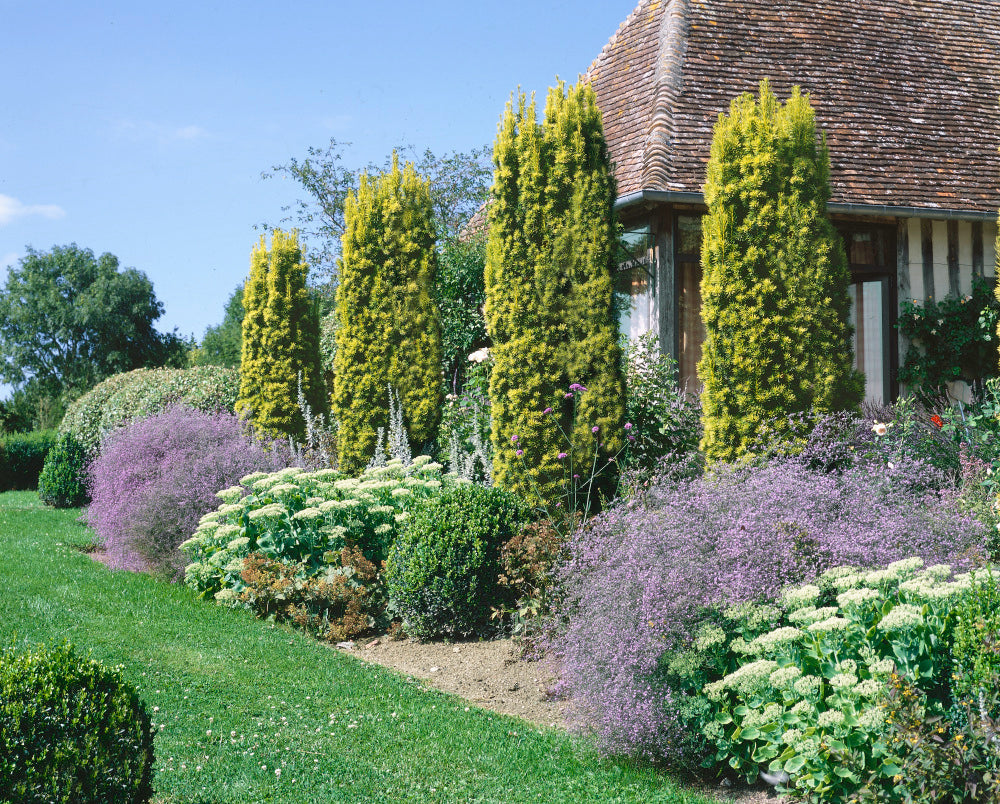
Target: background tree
x=388 y=332
x=549 y=291
x=774 y=287
x=280 y=338
x=222 y=344
x=69 y=319
x=459 y=183
x=461 y=293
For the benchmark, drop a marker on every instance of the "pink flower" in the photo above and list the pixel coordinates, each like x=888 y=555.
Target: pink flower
x=519 y=453
x=568 y=396
x=595 y=429
x=577 y=387
x=562 y=456
x=513 y=439
x=628 y=425
x=547 y=411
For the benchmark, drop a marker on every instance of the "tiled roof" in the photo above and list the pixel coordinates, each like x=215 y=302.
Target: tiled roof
x=905 y=90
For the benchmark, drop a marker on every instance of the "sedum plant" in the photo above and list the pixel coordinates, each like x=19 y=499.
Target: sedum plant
x=802 y=706
x=304 y=519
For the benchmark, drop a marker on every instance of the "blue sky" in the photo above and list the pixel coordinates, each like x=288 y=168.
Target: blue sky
x=143 y=129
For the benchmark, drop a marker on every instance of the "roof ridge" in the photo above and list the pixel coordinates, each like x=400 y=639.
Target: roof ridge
x=614 y=37
x=668 y=82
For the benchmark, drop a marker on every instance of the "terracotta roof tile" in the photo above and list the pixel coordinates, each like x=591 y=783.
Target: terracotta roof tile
x=905 y=91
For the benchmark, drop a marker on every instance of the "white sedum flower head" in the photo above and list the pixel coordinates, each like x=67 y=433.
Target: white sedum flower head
x=800 y=596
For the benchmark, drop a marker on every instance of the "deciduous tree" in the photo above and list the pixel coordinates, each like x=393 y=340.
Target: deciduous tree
x=69 y=319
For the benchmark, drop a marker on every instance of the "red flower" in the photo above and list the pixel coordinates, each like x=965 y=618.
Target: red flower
x=937 y=421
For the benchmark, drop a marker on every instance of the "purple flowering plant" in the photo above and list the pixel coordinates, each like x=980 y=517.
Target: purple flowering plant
x=578 y=497
x=646 y=581
x=155 y=478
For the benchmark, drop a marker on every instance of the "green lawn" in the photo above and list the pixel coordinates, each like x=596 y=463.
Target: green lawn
x=235 y=700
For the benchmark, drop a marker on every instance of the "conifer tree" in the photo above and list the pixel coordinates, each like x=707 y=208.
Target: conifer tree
x=549 y=291
x=775 y=276
x=388 y=332
x=280 y=339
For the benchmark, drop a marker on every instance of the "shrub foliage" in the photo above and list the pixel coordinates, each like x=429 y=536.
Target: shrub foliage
x=641 y=577
x=126 y=398
x=62 y=482
x=280 y=339
x=155 y=478
x=388 y=332
x=442 y=574
x=774 y=289
x=71 y=731
x=22 y=456
x=549 y=289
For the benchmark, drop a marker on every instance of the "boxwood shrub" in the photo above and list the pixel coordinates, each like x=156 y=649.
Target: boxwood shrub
x=442 y=574
x=22 y=456
x=71 y=731
x=62 y=483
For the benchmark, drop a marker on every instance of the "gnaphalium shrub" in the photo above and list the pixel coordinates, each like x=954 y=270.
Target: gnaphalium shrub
x=305 y=519
x=802 y=704
x=641 y=578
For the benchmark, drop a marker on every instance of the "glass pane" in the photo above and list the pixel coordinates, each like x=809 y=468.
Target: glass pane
x=692 y=329
x=635 y=285
x=689 y=235
x=869 y=336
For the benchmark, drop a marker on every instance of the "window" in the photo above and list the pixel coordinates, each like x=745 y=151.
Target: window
x=871 y=252
x=690 y=328
x=635 y=283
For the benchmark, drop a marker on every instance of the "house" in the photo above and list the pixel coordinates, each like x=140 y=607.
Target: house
x=906 y=93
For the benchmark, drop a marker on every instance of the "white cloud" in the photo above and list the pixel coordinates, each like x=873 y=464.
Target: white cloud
x=11 y=208
x=159 y=133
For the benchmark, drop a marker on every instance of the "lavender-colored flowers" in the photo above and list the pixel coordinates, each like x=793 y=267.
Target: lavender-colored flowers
x=155 y=478
x=577 y=387
x=641 y=575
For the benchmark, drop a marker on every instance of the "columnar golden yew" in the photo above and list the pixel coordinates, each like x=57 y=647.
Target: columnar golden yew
x=280 y=338
x=775 y=276
x=388 y=331
x=549 y=292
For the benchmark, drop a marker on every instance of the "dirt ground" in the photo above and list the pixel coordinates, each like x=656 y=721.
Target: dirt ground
x=492 y=675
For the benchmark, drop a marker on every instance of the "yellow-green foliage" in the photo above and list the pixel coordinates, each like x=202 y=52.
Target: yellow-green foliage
x=774 y=287
x=280 y=338
x=549 y=290
x=388 y=332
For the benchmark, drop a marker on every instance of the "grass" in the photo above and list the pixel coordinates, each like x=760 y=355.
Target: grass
x=235 y=700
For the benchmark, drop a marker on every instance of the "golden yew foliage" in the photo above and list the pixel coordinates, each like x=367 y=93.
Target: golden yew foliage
x=280 y=338
x=388 y=331
x=549 y=290
x=775 y=276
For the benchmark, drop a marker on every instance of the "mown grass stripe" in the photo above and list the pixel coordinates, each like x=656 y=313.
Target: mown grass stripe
x=238 y=699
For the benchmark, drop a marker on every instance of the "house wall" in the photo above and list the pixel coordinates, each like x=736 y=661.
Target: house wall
x=943 y=253
x=933 y=258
